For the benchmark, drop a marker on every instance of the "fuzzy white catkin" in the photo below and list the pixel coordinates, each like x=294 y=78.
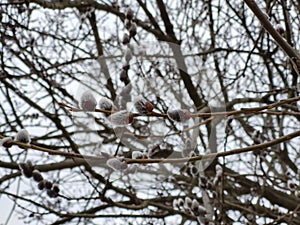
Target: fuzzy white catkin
x=105 y=104
x=140 y=105
x=23 y=136
x=137 y=155
x=88 y=101
x=143 y=106
x=120 y=118
x=116 y=164
x=178 y=115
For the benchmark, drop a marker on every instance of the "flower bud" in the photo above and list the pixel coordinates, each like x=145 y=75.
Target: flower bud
x=48 y=184
x=291 y=185
x=149 y=106
x=143 y=106
x=41 y=185
x=23 y=136
x=129 y=13
x=124 y=76
x=127 y=23
x=30 y=164
x=132 y=30
x=116 y=164
x=137 y=155
x=25 y=169
x=126 y=67
x=106 y=104
x=88 y=101
x=37 y=176
x=55 y=188
x=179 y=115
x=121 y=118
x=6 y=142
x=126 y=39
x=51 y=193
x=279 y=28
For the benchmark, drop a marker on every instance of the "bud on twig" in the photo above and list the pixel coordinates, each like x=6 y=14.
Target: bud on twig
x=48 y=184
x=143 y=106
x=129 y=13
x=88 y=101
x=51 y=193
x=23 y=136
x=126 y=39
x=106 y=104
x=137 y=155
x=124 y=76
x=25 y=169
x=279 y=28
x=127 y=23
x=41 y=185
x=121 y=118
x=6 y=142
x=37 y=176
x=55 y=188
x=291 y=185
x=179 y=115
x=132 y=30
